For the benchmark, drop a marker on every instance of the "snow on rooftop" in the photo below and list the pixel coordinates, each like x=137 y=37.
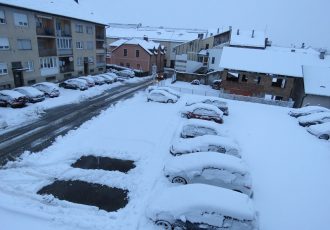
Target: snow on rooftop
x=147 y=45
x=249 y=38
x=317 y=80
x=67 y=8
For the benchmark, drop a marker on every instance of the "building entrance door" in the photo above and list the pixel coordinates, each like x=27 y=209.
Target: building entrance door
x=18 y=78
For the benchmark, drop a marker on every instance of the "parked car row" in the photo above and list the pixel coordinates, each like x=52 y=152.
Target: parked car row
x=315 y=118
x=214 y=185
x=18 y=97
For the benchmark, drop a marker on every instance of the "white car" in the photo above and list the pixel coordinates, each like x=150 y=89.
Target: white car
x=107 y=78
x=206 y=143
x=12 y=98
x=199 y=206
x=210 y=168
x=113 y=75
x=167 y=89
x=126 y=73
x=322 y=131
x=204 y=112
x=195 y=127
x=313 y=119
x=33 y=95
x=161 y=96
x=50 y=89
x=213 y=101
x=307 y=110
x=90 y=81
x=98 y=80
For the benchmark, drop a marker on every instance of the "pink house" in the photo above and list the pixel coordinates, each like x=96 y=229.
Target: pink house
x=138 y=54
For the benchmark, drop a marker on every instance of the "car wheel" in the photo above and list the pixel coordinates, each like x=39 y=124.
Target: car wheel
x=324 y=136
x=179 y=180
x=188 y=115
x=169 y=101
x=164 y=224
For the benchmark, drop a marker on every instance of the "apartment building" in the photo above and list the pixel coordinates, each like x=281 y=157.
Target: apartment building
x=38 y=43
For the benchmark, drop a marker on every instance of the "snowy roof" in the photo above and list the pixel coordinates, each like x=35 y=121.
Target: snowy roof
x=261 y=61
x=12 y=93
x=58 y=7
x=179 y=200
x=146 y=45
x=317 y=80
x=248 y=38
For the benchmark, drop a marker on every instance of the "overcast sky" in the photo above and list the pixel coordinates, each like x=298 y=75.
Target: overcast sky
x=285 y=21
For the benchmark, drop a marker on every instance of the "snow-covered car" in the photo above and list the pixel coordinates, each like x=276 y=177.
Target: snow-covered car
x=167 y=89
x=206 y=143
x=48 y=88
x=200 y=206
x=126 y=73
x=307 y=110
x=213 y=101
x=74 y=84
x=195 y=127
x=203 y=111
x=210 y=168
x=107 y=79
x=33 y=95
x=90 y=81
x=313 y=119
x=13 y=98
x=195 y=82
x=113 y=75
x=216 y=84
x=322 y=131
x=98 y=80
x=161 y=96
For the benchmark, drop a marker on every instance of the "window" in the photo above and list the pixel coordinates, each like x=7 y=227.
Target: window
x=79 y=45
x=213 y=60
x=244 y=78
x=64 y=43
x=91 y=70
x=89 y=29
x=125 y=52
x=257 y=80
x=128 y=65
x=31 y=82
x=2 y=17
x=80 y=61
x=24 y=44
x=29 y=66
x=4 y=44
x=48 y=62
x=278 y=82
x=79 y=28
x=51 y=79
x=100 y=69
x=91 y=59
x=21 y=20
x=232 y=77
x=3 y=69
x=137 y=53
x=89 y=45
x=206 y=46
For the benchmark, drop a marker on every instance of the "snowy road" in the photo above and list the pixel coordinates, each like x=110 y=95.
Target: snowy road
x=58 y=121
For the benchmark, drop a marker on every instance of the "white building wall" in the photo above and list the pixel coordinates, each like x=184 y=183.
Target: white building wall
x=216 y=54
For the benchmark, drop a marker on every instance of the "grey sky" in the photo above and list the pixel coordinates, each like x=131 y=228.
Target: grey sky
x=287 y=21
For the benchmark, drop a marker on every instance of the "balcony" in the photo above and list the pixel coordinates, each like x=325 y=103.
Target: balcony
x=63 y=28
x=45 y=26
x=99 y=33
x=66 y=64
x=47 y=47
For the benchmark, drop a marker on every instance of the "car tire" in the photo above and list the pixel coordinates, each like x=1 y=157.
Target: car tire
x=170 y=101
x=163 y=224
x=324 y=137
x=188 y=116
x=179 y=180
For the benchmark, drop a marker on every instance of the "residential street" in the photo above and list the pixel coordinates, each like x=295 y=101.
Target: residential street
x=60 y=120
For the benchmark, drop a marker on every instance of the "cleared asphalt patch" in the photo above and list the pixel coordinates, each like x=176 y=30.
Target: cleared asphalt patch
x=101 y=196
x=105 y=163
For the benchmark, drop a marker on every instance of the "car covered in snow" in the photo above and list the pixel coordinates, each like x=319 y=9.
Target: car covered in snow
x=33 y=95
x=204 y=112
x=13 y=98
x=161 y=96
x=195 y=127
x=112 y=75
x=322 y=131
x=98 y=80
x=107 y=78
x=200 y=206
x=210 y=168
x=126 y=73
x=213 y=101
x=206 y=143
x=48 y=88
x=195 y=82
x=74 y=83
x=313 y=119
x=307 y=110
x=90 y=81
x=167 y=89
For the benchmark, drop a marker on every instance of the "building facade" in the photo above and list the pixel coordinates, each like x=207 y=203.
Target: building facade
x=36 y=46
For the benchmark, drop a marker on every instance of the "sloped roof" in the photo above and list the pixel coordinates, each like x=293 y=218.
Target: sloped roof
x=248 y=38
x=146 y=45
x=317 y=80
x=67 y=8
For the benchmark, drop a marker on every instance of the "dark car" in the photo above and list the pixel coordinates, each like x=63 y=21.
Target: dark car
x=74 y=84
x=13 y=98
x=33 y=95
x=50 y=89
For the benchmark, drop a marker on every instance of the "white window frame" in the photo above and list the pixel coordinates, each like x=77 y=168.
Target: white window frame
x=89 y=29
x=21 y=20
x=89 y=45
x=2 y=17
x=80 y=61
x=29 y=65
x=3 y=68
x=24 y=44
x=64 y=43
x=79 y=45
x=48 y=62
x=4 y=44
x=79 y=28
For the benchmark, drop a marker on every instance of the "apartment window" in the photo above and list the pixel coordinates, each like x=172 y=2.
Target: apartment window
x=213 y=60
x=24 y=44
x=29 y=66
x=80 y=61
x=125 y=52
x=257 y=80
x=2 y=17
x=89 y=29
x=64 y=43
x=21 y=20
x=90 y=45
x=91 y=59
x=244 y=78
x=3 y=69
x=137 y=53
x=91 y=70
x=79 y=45
x=278 y=82
x=48 y=62
x=207 y=46
x=31 y=82
x=232 y=77
x=4 y=44
x=79 y=28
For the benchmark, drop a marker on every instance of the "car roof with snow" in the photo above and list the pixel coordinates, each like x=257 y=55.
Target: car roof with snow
x=308 y=109
x=202 y=123
x=201 y=100
x=169 y=95
x=30 y=90
x=172 y=91
x=201 y=160
x=202 y=106
x=12 y=93
x=180 y=200
x=77 y=80
x=47 y=84
x=320 y=128
x=314 y=116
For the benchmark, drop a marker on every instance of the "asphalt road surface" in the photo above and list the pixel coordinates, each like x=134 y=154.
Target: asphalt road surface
x=58 y=121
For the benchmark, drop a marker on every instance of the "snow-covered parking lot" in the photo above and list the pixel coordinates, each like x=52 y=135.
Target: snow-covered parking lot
x=288 y=166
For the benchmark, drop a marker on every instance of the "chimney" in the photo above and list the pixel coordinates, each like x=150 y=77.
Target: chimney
x=237 y=32
x=230 y=28
x=303 y=45
x=252 y=34
x=218 y=30
x=322 y=54
x=145 y=37
x=200 y=36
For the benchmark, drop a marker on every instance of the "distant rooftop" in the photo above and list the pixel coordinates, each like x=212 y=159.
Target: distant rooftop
x=248 y=38
x=317 y=80
x=149 y=46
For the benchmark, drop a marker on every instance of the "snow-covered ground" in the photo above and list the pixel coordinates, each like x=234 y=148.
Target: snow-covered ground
x=288 y=166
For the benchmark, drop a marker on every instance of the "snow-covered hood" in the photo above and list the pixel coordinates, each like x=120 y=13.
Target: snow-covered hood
x=29 y=91
x=191 y=108
x=202 y=124
x=308 y=110
x=11 y=93
x=319 y=128
x=314 y=117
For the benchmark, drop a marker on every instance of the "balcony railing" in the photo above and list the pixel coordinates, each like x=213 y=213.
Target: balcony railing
x=43 y=52
x=64 y=52
x=45 y=32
